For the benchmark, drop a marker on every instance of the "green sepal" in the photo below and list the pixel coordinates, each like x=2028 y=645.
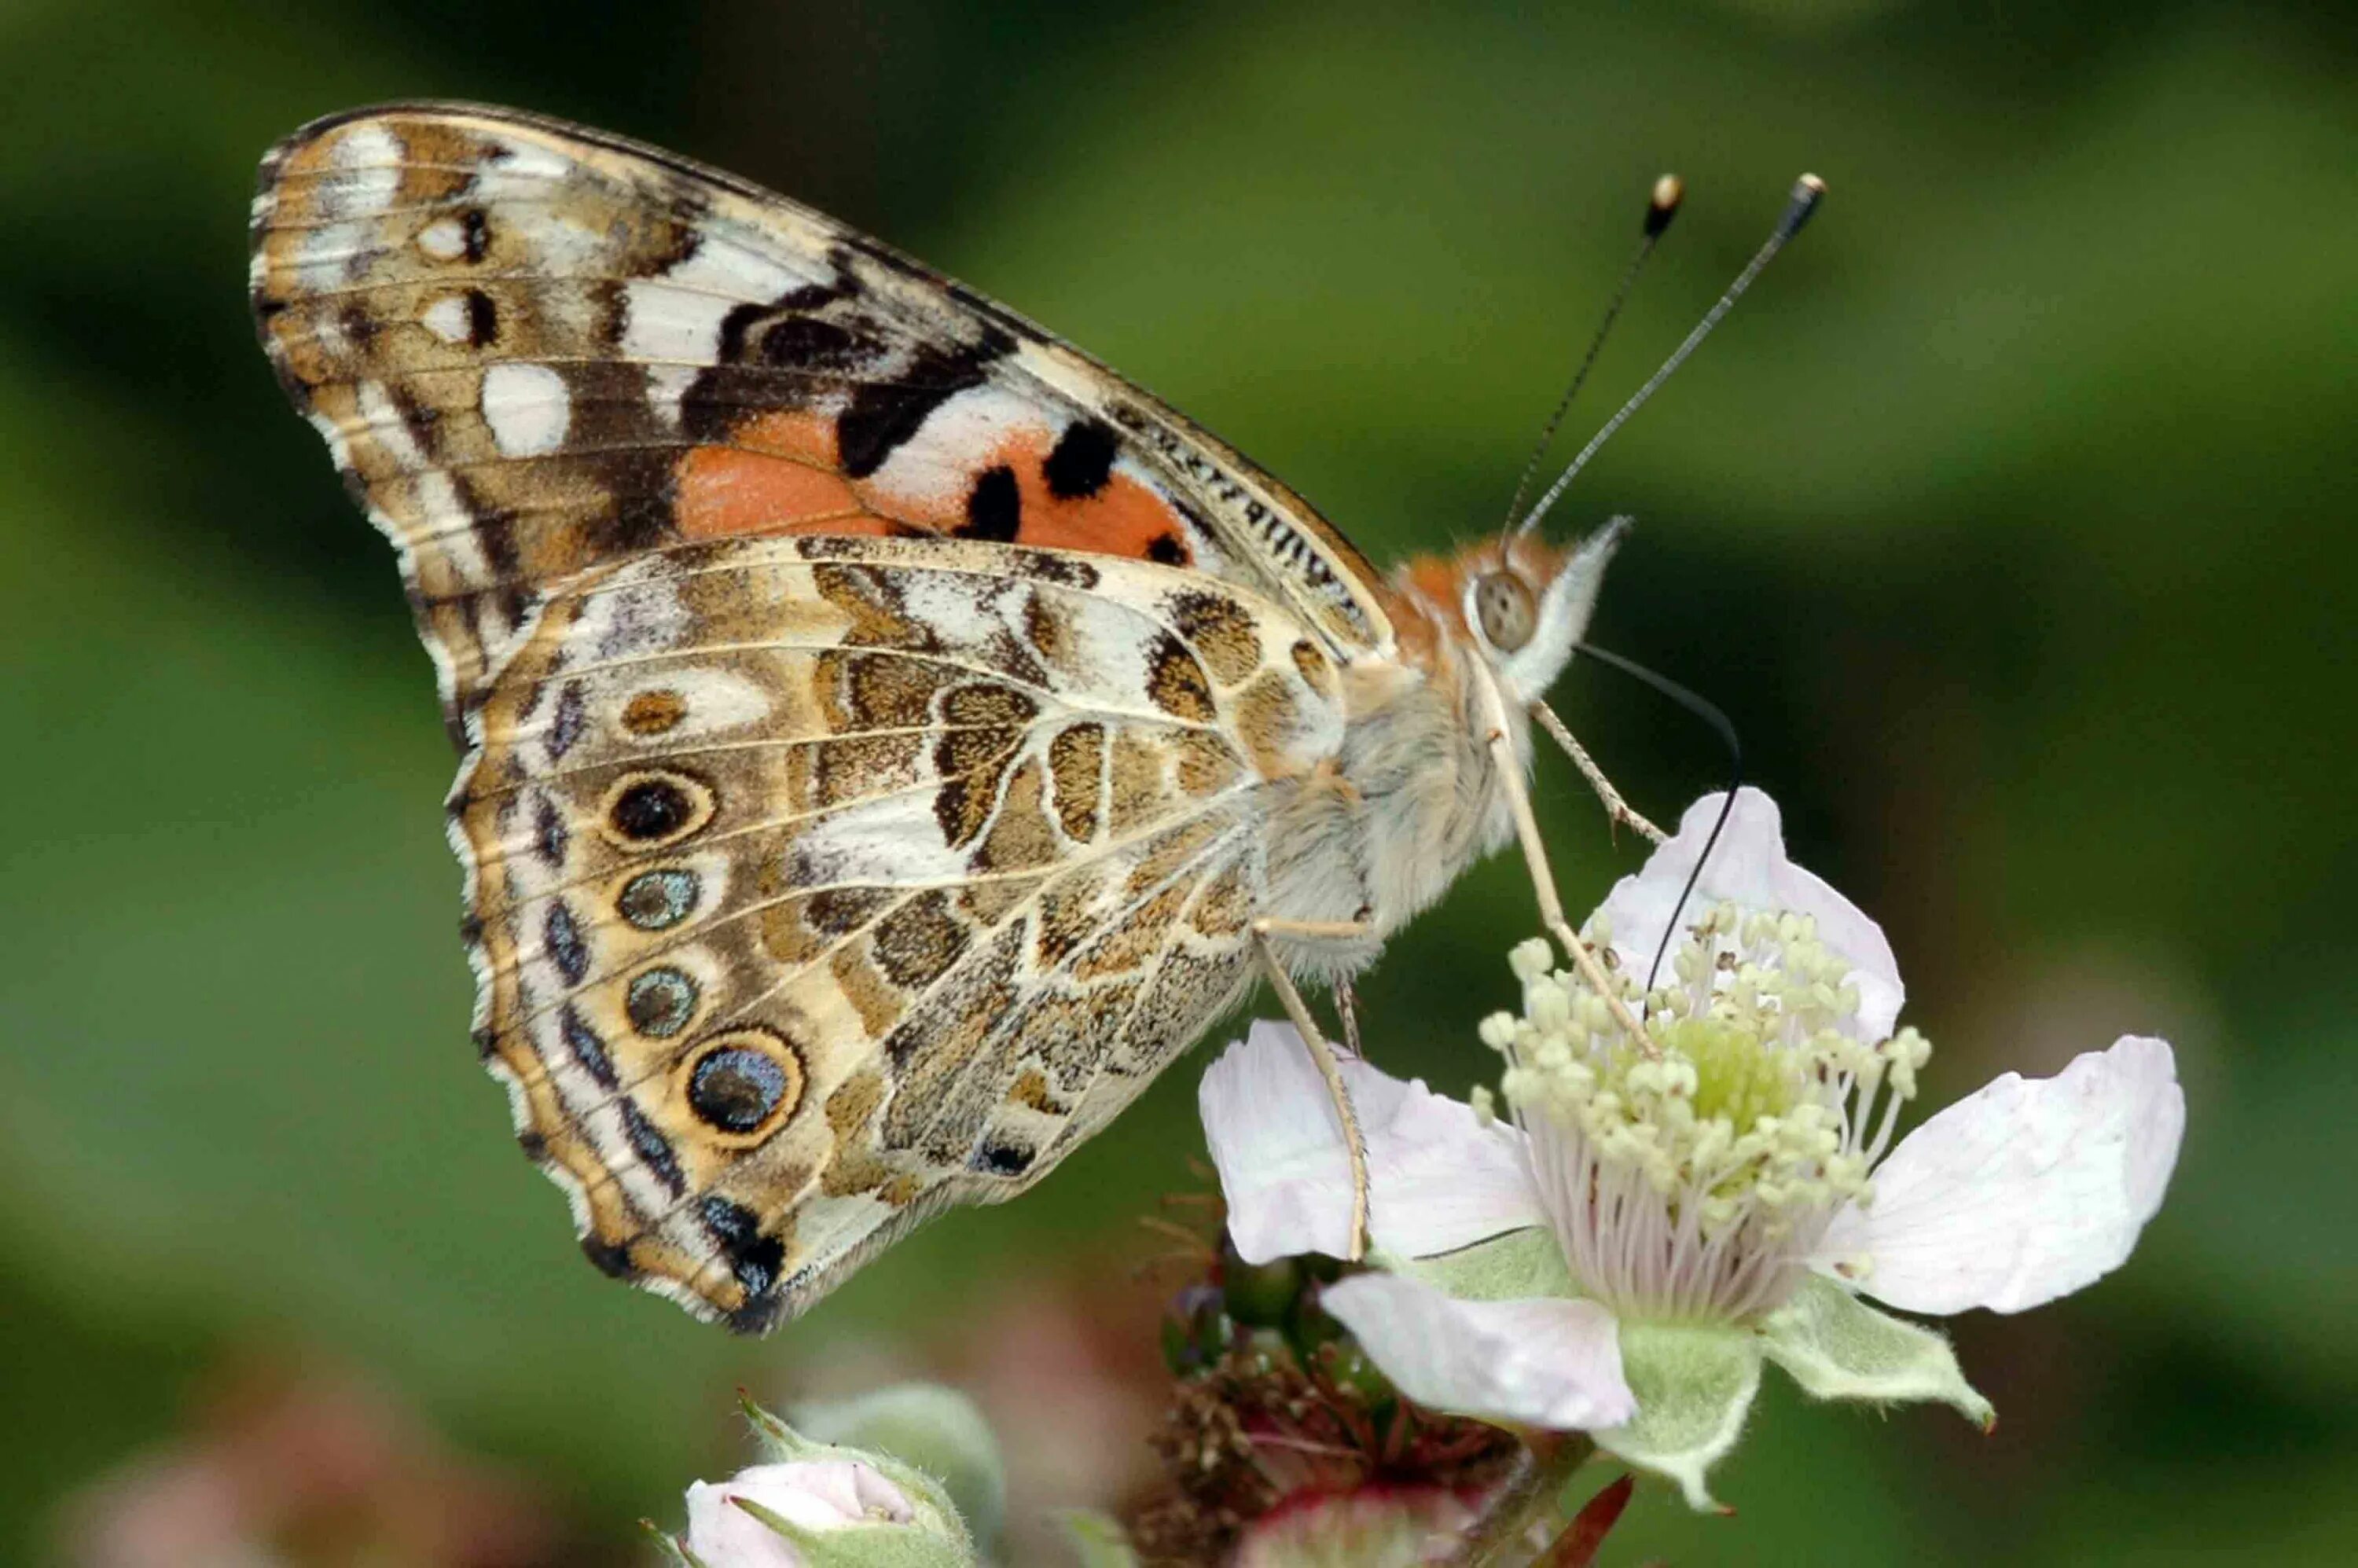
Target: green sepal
x=1097 y=1540
x=674 y=1550
x=867 y=1545
x=1693 y=1385
x=934 y=1430
x=782 y=1443
x=1838 y=1347
x=934 y=1513
x=1518 y=1266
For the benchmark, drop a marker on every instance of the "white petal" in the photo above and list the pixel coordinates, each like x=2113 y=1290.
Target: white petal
x=1749 y=868
x=1545 y=1362
x=2023 y=1192
x=1437 y=1178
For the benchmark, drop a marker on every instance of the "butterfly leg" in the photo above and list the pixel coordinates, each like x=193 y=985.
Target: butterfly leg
x=1509 y=770
x=1617 y=810
x=1354 y=1144
x=1346 y=1007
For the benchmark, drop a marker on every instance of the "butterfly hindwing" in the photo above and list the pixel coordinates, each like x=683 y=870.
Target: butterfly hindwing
x=534 y=349
x=819 y=882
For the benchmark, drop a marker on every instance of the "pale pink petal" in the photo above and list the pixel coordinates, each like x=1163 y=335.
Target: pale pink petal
x=2023 y=1192
x=1551 y=1362
x=1438 y=1180
x=818 y=1495
x=1747 y=867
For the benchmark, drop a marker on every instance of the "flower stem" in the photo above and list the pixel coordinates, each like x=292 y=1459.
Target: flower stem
x=1526 y=1498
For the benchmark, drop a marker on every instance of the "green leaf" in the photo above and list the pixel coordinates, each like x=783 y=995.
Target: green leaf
x=1519 y=1266
x=1097 y=1540
x=1693 y=1385
x=1838 y=1347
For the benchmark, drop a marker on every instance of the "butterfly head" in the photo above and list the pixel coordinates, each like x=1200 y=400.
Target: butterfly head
x=1518 y=603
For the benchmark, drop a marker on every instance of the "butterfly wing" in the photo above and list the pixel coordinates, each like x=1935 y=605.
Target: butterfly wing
x=820 y=882
x=534 y=349
x=871 y=703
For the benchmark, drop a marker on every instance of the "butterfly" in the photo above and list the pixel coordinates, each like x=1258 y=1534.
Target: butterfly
x=890 y=737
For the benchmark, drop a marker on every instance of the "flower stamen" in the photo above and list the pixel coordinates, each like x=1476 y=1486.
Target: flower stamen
x=1691 y=1171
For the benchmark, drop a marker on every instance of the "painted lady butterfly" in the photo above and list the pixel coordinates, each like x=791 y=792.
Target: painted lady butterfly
x=890 y=737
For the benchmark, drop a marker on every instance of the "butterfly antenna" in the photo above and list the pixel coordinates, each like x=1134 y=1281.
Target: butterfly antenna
x=1702 y=707
x=1808 y=191
x=1661 y=206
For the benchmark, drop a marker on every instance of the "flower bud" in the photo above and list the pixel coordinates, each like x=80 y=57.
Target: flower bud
x=813 y=1505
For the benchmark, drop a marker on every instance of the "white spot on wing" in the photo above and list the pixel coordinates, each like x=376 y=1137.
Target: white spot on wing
x=662 y=321
x=447 y=320
x=527 y=408
x=520 y=171
x=364 y=173
x=445 y=239
x=895 y=839
x=934 y=470
x=672 y=323
x=666 y=386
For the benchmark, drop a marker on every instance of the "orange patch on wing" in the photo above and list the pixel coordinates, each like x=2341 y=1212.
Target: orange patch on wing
x=1122 y=517
x=777 y=475
x=1125 y=518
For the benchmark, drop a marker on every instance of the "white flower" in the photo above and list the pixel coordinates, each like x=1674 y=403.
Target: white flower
x=1664 y=1212
x=819 y=1496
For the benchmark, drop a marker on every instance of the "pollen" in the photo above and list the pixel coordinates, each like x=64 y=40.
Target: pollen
x=1689 y=1173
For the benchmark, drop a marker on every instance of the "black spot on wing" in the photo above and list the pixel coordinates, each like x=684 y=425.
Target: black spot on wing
x=1002 y=1158
x=1167 y=549
x=1082 y=461
x=563 y=940
x=549 y=834
x=994 y=508
x=654 y=1151
x=483 y=320
x=608 y=1258
x=565 y=725
x=753 y=1258
x=587 y=1048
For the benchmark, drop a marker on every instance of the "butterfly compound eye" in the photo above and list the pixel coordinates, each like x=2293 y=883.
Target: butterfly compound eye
x=1504 y=606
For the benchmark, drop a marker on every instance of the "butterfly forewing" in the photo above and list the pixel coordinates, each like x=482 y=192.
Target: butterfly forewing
x=533 y=348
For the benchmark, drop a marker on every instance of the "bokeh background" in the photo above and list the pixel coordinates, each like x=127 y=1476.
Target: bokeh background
x=2010 y=519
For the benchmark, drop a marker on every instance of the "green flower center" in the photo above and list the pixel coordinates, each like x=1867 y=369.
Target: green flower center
x=1739 y=1079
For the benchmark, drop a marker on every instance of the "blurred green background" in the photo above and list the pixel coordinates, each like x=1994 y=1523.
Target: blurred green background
x=2010 y=519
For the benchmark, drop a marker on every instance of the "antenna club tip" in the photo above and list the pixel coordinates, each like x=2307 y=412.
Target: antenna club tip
x=1663 y=205
x=1808 y=191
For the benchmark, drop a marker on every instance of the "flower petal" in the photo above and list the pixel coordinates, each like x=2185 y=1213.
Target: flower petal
x=1437 y=1178
x=1838 y=1347
x=1549 y=1363
x=813 y=1495
x=1749 y=868
x=1694 y=1385
x=2023 y=1192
